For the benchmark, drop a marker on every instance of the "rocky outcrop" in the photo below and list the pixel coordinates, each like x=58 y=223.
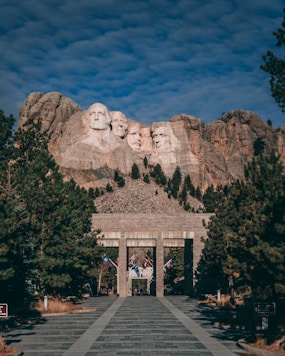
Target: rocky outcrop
x=52 y=108
x=90 y=145
x=234 y=134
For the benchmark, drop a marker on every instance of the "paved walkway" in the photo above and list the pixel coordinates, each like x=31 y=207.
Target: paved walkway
x=140 y=326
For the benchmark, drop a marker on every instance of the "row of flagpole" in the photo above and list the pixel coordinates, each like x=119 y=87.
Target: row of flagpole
x=133 y=264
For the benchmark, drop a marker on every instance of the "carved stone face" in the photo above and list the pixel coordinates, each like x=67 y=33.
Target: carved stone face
x=134 y=137
x=119 y=124
x=161 y=139
x=99 y=117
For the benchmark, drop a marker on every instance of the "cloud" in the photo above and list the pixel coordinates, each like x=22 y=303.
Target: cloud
x=150 y=59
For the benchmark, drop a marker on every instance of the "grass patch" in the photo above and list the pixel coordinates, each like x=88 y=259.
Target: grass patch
x=55 y=306
x=5 y=350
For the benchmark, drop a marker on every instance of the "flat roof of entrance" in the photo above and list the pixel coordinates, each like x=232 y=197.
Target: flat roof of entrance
x=150 y=222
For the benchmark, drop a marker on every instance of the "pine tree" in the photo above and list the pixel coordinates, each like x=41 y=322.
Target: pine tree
x=190 y=187
x=12 y=221
x=97 y=192
x=135 y=174
x=109 y=188
x=275 y=66
x=198 y=193
x=146 y=179
x=58 y=216
x=212 y=197
x=175 y=182
x=246 y=235
x=121 y=182
x=116 y=176
x=119 y=179
x=145 y=162
x=258 y=146
x=158 y=175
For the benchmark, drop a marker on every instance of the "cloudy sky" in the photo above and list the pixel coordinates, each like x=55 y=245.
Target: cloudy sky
x=150 y=59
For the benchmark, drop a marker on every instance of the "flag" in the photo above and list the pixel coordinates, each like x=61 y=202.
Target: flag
x=147 y=262
x=133 y=261
x=137 y=271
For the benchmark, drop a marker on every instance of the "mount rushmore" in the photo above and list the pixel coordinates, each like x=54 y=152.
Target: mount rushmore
x=89 y=145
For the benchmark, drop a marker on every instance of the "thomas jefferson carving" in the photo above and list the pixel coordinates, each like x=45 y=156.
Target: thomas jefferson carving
x=119 y=124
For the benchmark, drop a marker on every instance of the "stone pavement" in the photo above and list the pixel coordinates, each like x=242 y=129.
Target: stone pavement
x=139 y=326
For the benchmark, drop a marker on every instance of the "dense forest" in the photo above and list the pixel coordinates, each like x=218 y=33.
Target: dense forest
x=46 y=243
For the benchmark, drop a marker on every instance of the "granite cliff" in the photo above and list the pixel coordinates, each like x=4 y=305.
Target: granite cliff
x=89 y=145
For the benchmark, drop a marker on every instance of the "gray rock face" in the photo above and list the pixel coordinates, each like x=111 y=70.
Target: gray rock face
x=89 y=145
x=53 y=108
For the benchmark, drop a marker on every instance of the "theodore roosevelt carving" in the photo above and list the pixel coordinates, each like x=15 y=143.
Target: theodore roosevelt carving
x=134 y=136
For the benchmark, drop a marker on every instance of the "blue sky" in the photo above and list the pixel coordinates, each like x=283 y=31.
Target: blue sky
x=150 y=59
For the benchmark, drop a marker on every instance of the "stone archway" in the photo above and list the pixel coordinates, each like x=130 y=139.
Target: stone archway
x=151 y=230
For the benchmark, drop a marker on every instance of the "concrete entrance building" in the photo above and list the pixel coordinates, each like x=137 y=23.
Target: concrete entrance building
x=154 y=231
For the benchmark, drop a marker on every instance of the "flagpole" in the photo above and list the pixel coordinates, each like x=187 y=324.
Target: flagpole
x=168 y=263
x=117 y=268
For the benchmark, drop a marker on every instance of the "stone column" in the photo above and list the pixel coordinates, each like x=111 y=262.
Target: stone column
x=122 y=270
x=159 y=267
x=188 y=267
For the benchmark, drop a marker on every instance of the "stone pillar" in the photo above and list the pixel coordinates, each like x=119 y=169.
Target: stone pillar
x=188 y=267
x=159 y=267
x=122 y=270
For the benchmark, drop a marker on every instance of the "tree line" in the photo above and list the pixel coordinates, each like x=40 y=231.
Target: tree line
x=46 y=242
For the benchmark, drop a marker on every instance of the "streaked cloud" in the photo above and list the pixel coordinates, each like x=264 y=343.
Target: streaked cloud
x=150 y=59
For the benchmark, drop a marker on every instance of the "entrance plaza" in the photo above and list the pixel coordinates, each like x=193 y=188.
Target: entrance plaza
x=156 y=231
x=139 y=326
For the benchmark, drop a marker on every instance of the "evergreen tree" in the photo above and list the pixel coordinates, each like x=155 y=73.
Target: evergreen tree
x=135 y=174
x=58 y=216
x=275 y=66
x=109 y=188
x=121 y=182
x=175 y=182
x=116 y=176
x=119 y=179
x=198 y=193
x=91 y=193
x=177 y=268
x=6 y=135
x=212 y=198
x=258 y=146
x=158 y=175
x=97 y=192
x=246 y=235
x=146 y=179
x=145 y=162
x=189 y=185
x=12 y=220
